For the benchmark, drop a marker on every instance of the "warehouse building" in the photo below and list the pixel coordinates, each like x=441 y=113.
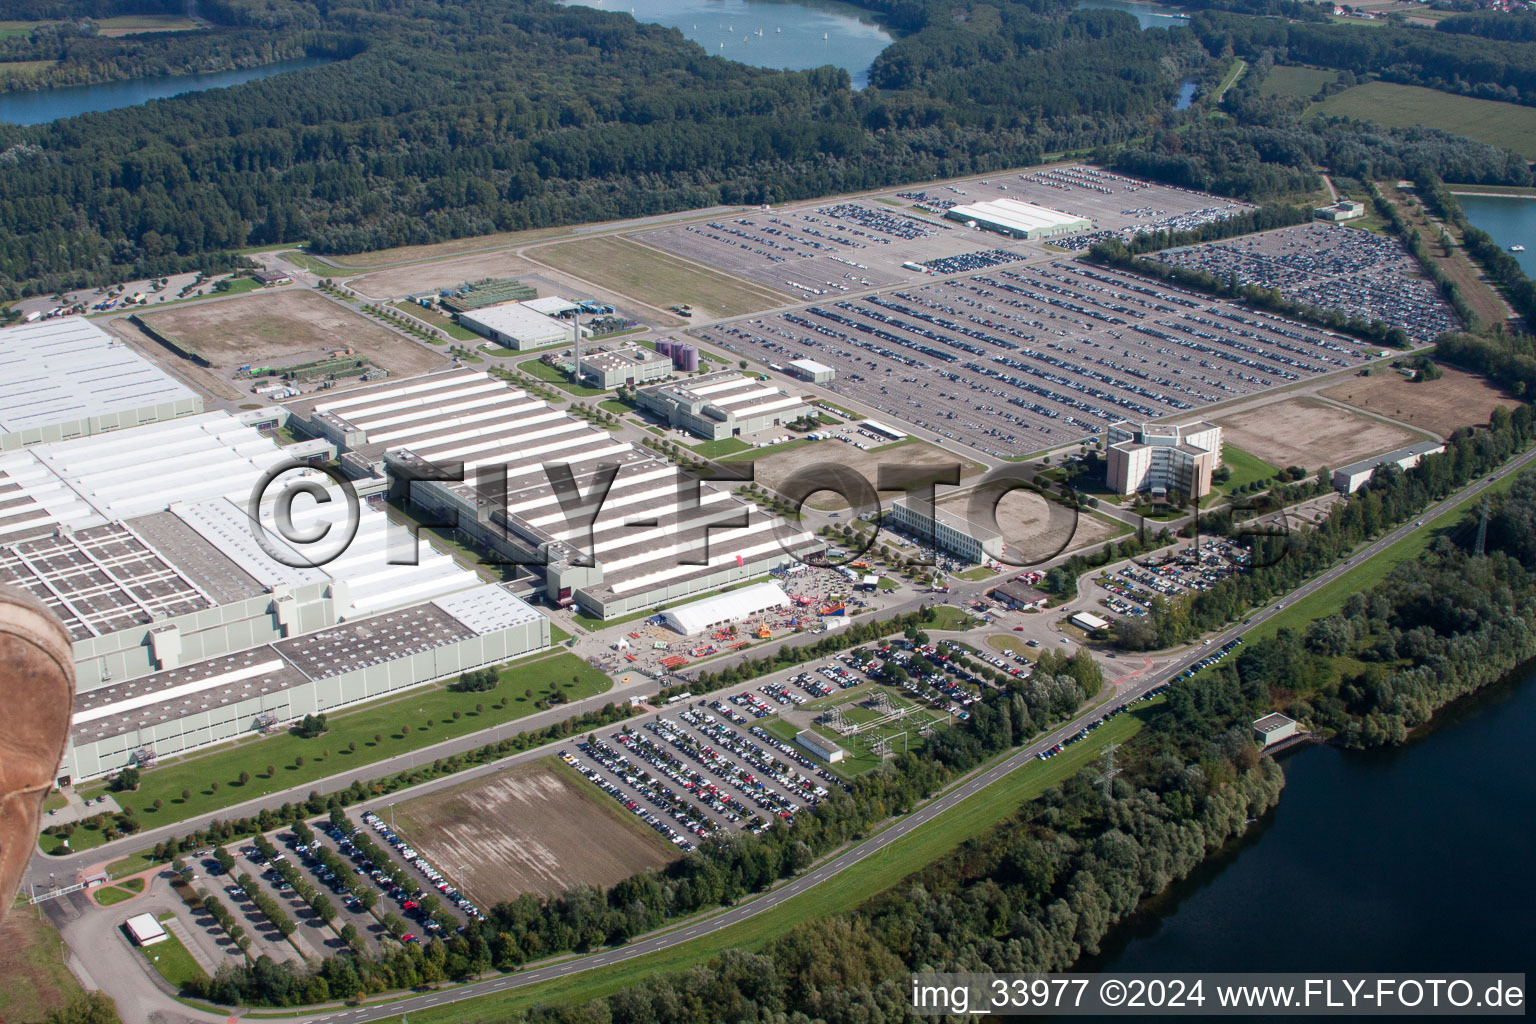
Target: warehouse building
x=186 y=629
x=623 y=367
x=724 y=609
x=645 y=536
x=720 y=405
x=1018 y=219
x=515 y=325
x=946 y=531
x=67 y=378
x=1349 y=479
x=1088 y=621
x=1020 y=596
x=1158 y=459
x=1344 y=209
x=811 y=370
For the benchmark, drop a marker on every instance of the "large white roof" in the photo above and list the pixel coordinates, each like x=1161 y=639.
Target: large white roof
x=69 y=369
x=516 y=320
x=1015 y=214
x=731 y=606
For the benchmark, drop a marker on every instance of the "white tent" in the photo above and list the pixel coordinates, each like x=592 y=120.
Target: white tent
x=722 y=609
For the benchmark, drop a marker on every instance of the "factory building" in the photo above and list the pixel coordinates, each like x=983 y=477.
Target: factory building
x=187 y=631
x=516 y=325
x=1351 y=478
x=1158 y=459
x=811 y=370
x=1273 y=728
x=945 y=530
x=645 y=536
x=1018 y=219
x=1344 y=209
x=720 y=405
x=67 y=378
x=623 y=367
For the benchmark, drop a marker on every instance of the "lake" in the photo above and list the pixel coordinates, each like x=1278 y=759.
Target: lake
x=43 y=105
x=1416 y=858
x=769 y=34
x=1146 y=15
x=1186 y=98
x=1510 y=221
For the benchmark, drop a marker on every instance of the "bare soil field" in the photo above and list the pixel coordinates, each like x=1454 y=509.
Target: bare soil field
x=1036 y=529
x=274 y=327
x=1310 y=433
x=658 y=279
x=774 y=470
x=445 y=273
x=536 y=828
x=1458 y=399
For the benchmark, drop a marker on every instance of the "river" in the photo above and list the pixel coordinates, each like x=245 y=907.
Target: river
x=40 y=106
x=1509 y=220
x=1147 y=15
x=769 y=33
x=1415 y=858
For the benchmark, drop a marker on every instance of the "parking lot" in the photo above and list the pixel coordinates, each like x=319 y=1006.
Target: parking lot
x=1129 y=588
x=1021 y=358
x=831 y=249
x=1331 y=267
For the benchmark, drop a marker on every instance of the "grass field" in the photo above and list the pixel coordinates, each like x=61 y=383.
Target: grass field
x=172 y=960
x=1246 y=468
x=32 y=964
x=110 y=894
x=23 y=68
x=437 y=319
x=718 y=449
x=658 y=279
x=538 y=827
x=949 y=617
x=874 y=874
x=197 y=775
x=1300 y=82
x=552 y=375
x=1401 y=106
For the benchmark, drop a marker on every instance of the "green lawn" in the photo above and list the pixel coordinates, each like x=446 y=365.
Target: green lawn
x=874 y=874
x=108 y=895
x=949 y=617
x=198 y=775
x=980 y=572
x=1401 y=106
x=762 y=453
x=436 y=319
x=718 y=449
x=131 y=865
x=1245 y=468
x=613 y=405
x=1300 y=82
x=550 y=375
x=172 y=960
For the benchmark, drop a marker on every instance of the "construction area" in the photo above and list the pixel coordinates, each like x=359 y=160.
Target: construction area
x=533 y=828
x=1311 y=433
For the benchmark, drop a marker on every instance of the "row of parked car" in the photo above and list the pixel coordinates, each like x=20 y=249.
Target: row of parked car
x=421 y=864
x=658 y=795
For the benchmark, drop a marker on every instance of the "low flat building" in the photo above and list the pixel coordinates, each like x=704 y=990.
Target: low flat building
x=1344 y=209
x=819 y=746
x=1273 y=728
x=623 y=367
x=1088 y=621
x=1349 y=479
x=271 y=278
x=146 y=931
x=67 y=378
x=945 y=530
x=720 y=405
x=1158 y=459
x=1018 y=219
x=1020 y=596
x=516 y=326
x=811 y=370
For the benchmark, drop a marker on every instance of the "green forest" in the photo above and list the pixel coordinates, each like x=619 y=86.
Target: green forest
x=422 y=129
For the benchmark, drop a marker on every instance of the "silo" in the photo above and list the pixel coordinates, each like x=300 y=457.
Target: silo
x=685 y=358
x=664 y=347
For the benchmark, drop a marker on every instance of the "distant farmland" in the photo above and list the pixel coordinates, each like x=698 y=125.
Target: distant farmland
x=1401 y=106
x=1302 y=83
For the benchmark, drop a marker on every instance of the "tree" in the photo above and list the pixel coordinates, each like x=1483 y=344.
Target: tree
x=126 y=780
x=245 y=778
x=86 y=1008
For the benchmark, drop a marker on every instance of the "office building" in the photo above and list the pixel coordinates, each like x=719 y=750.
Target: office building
x=1157 y=459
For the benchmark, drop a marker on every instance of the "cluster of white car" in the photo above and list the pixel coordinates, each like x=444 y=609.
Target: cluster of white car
x=423 y=865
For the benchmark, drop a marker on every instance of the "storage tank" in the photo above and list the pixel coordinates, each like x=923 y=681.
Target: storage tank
x=685 y=358
x=664 y=347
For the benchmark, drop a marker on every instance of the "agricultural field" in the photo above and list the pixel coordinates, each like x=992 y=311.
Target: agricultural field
x=1300 y=82
x=439 y=274
x=536 y=828
x=23 y=68
x=1310 y=433
x=1458 y=399
x=143 y=24
x=276 y=328
x=1401 y=106
x=658 y=279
